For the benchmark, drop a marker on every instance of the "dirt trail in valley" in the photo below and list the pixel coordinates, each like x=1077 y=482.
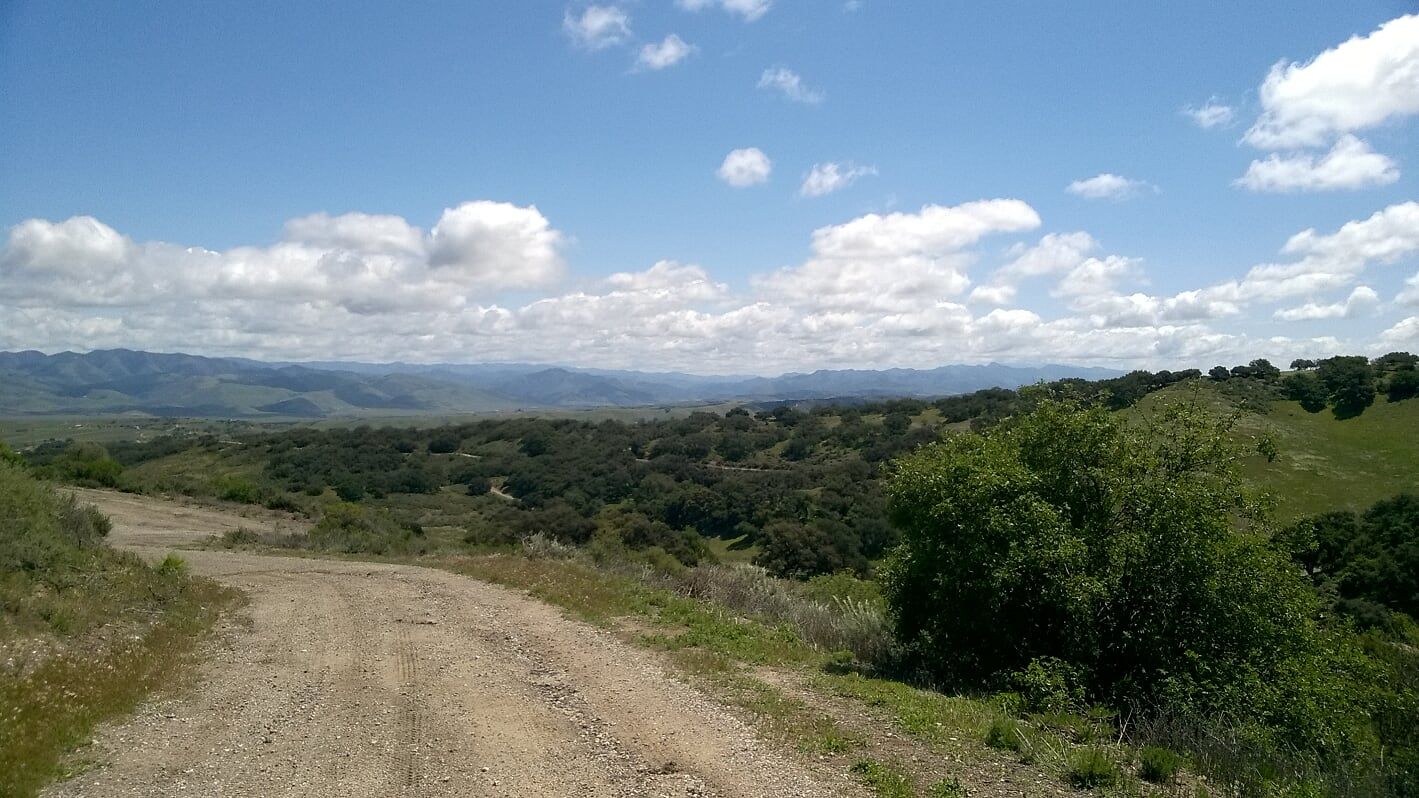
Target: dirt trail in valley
x=366 y=679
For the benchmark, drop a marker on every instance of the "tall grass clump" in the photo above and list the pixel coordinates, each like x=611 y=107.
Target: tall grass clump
x=829 y=622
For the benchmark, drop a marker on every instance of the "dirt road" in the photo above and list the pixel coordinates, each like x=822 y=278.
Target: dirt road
x=361 y=679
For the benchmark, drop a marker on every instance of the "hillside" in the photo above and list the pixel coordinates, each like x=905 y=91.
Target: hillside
x=1324 y=463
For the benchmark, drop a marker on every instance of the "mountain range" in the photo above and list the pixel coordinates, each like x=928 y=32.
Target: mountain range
x=126 y=381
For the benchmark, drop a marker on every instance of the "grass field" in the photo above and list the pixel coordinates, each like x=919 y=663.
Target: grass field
x=1324 y=463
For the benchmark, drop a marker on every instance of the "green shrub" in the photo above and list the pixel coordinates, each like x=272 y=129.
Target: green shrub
x=1158 y=765
x=1090 y=768
x=238 y=489
x=1075 y=555
x=1050 y=685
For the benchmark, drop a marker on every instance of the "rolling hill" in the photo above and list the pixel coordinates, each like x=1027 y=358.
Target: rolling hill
x=121 y=381
x=1324 y=463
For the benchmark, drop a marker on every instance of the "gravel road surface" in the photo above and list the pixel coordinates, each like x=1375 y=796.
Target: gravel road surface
x=365 y=679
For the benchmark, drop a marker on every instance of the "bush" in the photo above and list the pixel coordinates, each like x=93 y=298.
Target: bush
x=356 y=529
x=1050 y=685
x=1403 y=385
x=1106 y=556
x=238 y=489
x=1158 y=765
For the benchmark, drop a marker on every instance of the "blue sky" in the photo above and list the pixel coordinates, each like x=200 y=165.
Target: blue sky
x=154 y=155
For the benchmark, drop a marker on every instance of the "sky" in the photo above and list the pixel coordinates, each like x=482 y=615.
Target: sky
x=713 y=186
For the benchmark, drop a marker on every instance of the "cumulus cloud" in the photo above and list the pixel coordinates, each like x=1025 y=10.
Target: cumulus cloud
x=485 y=282
x=1328 y=262
x=1107 y=186
x=1055 y=253
x=898 y=262
x=1210 y=114
x=1350 y=164
x=1404 y=335
x=745 y=167
x=788 y=83
x=825 y=178
x=359 y=262
x=1353 y=86
x=597 y=27
x=748 y=10
x=1410 y=294
x=666 y=53
x=1361 y=300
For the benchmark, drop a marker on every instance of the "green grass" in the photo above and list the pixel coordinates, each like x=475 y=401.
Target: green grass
x=1331 y=464
x=1324 y=463
x=885 y=781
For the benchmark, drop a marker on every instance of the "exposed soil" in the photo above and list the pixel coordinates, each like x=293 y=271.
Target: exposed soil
x=371 y=679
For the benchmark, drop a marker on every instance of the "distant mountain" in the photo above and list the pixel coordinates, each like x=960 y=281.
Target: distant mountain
x=126 y=381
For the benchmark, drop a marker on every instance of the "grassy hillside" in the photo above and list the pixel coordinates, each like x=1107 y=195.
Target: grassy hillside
x=1323 y=463
x=85 y=631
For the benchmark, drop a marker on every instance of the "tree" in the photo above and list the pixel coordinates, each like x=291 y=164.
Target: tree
x=1220 y=373
x=797 y=551
x=1300 y=364
x=1403 y=385
x=1106 y=553
x=1396 y=361
x=444 y=443
x=896 y=424
x=1261 y=368
x=1349 y=381
x=1305 y=387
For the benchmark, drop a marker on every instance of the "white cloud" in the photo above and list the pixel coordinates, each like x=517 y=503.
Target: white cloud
x=1361 y=300
x=1350 y=164
x=1353 y=86
x=668 y=52
x=1329 y=262
x=874 y=291
x=497 y=245
x=897 y=263
x=361 y=263
x=1404 y=335
x=745 y=167
x=1055 y=253
x=359 y=232
x=788 y=83
x=993 y=294
x=1410 y=294
x=1096 y=276
x=1211 y=114
x=825 y=178
x=597 y=27
x=1107 y=186
x=749 y=10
